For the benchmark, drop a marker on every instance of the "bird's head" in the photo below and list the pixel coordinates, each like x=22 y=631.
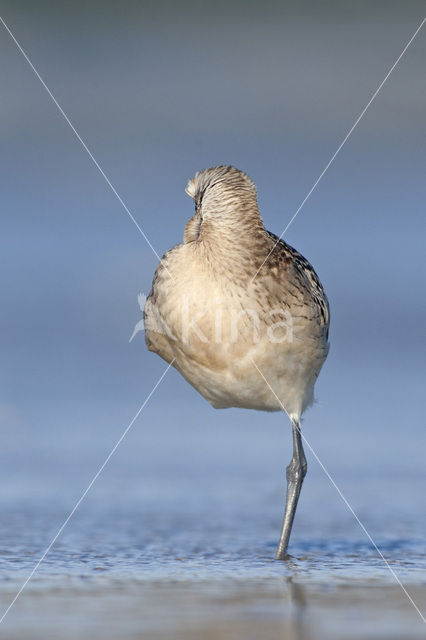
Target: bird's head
x=219 y=181
x=224 y=197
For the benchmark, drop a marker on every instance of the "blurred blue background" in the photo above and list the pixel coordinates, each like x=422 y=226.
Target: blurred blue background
x=159 y=90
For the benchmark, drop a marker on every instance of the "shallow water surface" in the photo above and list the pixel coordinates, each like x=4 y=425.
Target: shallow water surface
x=162 y=551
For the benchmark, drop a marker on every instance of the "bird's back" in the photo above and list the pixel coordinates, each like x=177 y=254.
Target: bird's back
x=242 y=340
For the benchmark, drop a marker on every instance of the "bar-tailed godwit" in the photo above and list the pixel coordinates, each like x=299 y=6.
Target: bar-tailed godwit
x=241 y=314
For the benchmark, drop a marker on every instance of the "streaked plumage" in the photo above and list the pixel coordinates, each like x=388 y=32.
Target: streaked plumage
x=208 y=281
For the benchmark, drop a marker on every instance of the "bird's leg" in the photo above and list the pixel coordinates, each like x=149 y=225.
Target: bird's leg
x=296 y=471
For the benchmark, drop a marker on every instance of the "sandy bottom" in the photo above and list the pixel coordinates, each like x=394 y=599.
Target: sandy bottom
x=124 y=609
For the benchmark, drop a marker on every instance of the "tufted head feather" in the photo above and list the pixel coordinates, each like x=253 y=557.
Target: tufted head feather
x=224 y=177
x=225 y=204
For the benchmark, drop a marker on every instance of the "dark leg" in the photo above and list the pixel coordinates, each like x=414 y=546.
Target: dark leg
x=296 y=471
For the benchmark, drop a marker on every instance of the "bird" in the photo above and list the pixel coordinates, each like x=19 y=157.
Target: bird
x=241 y=314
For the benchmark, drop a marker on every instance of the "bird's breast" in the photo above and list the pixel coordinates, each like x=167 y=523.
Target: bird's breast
x=229 y=341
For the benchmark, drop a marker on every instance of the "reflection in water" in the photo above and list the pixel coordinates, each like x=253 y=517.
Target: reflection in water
x=298 y=610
